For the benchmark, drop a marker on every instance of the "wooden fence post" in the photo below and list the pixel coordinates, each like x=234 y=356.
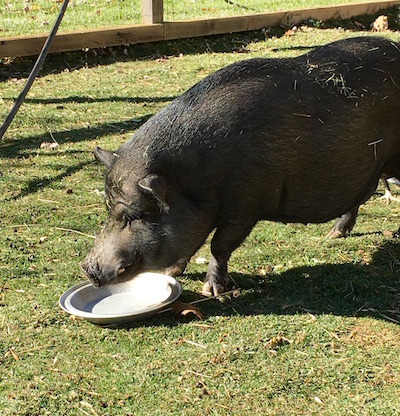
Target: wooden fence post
x=152 y=11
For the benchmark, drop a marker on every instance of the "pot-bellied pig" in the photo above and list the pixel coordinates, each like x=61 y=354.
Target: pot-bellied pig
x=302 y=139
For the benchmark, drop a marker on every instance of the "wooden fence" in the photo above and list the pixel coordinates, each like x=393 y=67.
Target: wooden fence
x=154 y=28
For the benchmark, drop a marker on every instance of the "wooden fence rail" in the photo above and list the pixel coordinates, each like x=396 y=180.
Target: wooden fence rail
x=155 y=29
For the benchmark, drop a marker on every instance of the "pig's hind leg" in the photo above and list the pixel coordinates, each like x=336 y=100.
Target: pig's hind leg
x=343 y=225
x=227 y=237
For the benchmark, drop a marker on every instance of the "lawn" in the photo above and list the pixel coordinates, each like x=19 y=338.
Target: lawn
x=314 y=330
x=37 y=16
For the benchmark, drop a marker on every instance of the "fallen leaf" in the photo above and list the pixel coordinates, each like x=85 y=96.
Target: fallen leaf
x=380 y=24
x=264 y=270
x=277 y=341
x=181 y=308
x=291 y=32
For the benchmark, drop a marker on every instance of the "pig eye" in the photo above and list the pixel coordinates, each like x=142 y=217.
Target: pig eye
x=125 y=216
x=129 y=218
x=146 y=215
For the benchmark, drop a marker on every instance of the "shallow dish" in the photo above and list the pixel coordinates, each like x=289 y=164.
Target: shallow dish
x=143 y=296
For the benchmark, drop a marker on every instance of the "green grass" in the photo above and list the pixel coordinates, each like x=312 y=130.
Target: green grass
x=37 y=16
x=314 y=330
x=181 y=10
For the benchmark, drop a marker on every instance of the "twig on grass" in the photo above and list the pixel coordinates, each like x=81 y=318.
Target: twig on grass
x=233 y=280
x=396 y=321
x=54 y=140
x=48 y=200
x=74 y=231
x=198 y=374
x=89 y=406
x=205 y=299
x=14 y=355
x=204 y=326
x=221 y=405
x=21 y=226
x=194 y=343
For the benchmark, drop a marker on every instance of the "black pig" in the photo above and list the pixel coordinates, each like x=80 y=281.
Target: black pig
x=303 y=139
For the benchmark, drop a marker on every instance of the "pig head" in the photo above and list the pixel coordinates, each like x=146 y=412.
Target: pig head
x=150 y=225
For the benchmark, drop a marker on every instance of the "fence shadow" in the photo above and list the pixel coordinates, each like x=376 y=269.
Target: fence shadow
x=87 y=100
x=36 y=184
x=72 y=61
x=20 y=148
x=17 y=147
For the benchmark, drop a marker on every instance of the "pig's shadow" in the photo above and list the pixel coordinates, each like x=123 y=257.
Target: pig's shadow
x=338 y=289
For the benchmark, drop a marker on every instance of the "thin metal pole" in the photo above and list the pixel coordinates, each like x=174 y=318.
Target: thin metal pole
x=35 y=70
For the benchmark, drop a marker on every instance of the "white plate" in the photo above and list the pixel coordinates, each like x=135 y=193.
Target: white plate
x=143 y=296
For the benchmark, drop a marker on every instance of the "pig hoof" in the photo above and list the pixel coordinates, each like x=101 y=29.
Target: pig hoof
x=212 y=289
x=333 y=234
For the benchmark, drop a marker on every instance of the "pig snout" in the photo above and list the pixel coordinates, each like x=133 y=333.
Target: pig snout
x=101 y=270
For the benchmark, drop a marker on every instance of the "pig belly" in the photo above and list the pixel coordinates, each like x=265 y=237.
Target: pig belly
x=322 y=191
x=306 y=185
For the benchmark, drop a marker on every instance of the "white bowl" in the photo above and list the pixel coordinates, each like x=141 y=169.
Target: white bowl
x=113 y=305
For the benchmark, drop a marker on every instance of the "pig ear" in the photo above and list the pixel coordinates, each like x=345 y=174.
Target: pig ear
x=157 y=186
x=105 y=157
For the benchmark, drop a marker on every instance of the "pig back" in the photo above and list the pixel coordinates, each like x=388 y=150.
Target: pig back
x=301 y=139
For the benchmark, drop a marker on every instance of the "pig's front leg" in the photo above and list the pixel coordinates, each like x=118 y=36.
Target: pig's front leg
x=227 y=238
